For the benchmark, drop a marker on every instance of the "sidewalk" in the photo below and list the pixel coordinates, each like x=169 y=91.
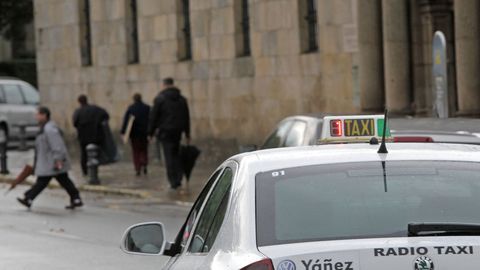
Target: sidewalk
x=120 y=179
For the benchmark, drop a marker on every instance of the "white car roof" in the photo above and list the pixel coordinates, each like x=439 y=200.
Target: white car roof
x=271 y=159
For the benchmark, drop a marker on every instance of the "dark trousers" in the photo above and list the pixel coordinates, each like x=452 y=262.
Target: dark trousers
x=42 y=183
x=83 y=158
x=140 y=152
x=171 y=151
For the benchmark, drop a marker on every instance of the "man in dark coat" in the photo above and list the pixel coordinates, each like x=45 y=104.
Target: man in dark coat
x=88 y=121
x=138 y=133
x=170 y=118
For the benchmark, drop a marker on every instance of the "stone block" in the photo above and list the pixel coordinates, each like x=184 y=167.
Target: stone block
x=265 y=66
x=243 y=67
x=160 y=29
x=288 y=42
x=149 y=7
x=222 y=47
x=269 y=43
x=183 y=71
x=222 y=21
x=329 y=40
x=115 y=9
x=200 y=23
x=201 y=49
x=145 y=29
x=200 y=5
x=311 y=63
x=200 y=70
x=98 y=10
x=166 y=70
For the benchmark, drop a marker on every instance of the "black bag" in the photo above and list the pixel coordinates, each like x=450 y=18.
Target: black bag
x=108 y=149
x=188 y=156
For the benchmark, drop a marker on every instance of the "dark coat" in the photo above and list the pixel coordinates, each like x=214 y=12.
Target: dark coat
x=141 y=112
x=88 y=122
x=170 y=116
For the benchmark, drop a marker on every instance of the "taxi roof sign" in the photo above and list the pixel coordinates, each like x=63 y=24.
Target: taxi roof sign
x=353 y=128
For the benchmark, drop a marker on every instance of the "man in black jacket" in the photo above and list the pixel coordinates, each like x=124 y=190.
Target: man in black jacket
x=88 y=121
x=138 y=133
x=170 y=118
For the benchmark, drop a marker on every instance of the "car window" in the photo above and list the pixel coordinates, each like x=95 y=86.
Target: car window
x=212 y=215
x=363 y=200
x=192 y=217
x=296 y=134
x=2 y=96
x=30 y=94
x=12 y=94
x=278 y=136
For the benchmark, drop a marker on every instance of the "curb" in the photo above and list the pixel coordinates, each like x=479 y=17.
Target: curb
x=141 y=194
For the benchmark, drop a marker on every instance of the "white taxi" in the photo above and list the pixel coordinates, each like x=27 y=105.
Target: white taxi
x=331 y=207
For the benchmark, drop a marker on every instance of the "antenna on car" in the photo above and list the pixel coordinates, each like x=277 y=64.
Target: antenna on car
x=383 y=146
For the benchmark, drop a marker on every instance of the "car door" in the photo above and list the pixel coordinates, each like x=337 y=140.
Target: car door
x=208 y=224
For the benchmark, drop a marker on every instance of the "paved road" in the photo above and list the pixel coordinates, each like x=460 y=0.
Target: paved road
x=50 y=237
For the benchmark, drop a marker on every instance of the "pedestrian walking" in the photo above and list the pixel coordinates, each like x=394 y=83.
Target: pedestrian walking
x=88 y=120
x=169 y=119
x=51 y=161
x=138 y=133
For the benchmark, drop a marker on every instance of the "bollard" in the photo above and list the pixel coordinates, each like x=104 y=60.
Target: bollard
x=93 y=163
x=3 y=152
x=23 y=137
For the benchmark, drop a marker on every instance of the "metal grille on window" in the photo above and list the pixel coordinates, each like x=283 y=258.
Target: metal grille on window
x=187 y=30
x=132 y=38
x=245 y=28
x=86 y=32
x=311 y=18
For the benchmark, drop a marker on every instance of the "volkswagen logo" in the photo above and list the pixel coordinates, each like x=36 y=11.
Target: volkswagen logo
x=424 y=263
x=286 y=265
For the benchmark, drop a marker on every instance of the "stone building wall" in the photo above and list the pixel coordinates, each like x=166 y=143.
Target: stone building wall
x=234 y=100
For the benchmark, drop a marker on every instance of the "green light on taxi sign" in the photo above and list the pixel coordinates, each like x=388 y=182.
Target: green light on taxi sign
x=380 y=124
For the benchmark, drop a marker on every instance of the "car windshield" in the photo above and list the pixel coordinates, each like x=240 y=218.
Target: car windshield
x=357 y=200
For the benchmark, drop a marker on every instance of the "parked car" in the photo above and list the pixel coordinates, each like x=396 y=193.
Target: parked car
x=301 y=130
x=18 y=103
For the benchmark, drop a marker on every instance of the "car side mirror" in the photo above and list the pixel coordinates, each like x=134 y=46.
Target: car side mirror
x=144 y=239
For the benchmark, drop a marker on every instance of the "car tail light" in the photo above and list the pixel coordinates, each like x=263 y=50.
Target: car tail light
x=336 y=128
x=265 y=264
x=406 y=139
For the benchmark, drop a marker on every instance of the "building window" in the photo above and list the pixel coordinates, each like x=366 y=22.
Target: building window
x=133 y=54
x=185 y=42
x=85 y=33
x=242 y=28
x=308 y=25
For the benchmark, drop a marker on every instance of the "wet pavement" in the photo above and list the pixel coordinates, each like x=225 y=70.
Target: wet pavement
x=121 y=176
x=50 y=237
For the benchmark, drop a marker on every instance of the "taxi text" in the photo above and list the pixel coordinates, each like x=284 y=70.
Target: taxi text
x=414 y=251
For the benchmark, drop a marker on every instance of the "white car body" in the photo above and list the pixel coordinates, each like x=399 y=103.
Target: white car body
x=21 y=113
x=235 y=246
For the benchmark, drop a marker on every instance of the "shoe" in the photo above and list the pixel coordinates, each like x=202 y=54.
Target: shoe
x=25 y=202
x=74 y=204
x=138 y=173
x=145 y=170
